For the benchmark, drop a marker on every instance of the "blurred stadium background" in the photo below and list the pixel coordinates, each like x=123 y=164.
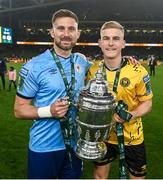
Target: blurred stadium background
x=29 y=21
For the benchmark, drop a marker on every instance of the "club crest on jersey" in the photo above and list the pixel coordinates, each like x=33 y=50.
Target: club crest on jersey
x=78 y=68
x=125 y=82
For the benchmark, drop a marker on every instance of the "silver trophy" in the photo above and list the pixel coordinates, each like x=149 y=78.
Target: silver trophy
x=96 y=105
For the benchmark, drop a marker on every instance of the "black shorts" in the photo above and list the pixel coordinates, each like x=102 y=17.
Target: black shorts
x=135 y=157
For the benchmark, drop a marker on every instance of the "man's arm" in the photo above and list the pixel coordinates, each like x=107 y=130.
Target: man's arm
x=143 y=108
x=24 y=109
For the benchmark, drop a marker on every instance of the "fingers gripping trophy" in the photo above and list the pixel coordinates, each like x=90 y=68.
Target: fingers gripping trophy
x=96 y=106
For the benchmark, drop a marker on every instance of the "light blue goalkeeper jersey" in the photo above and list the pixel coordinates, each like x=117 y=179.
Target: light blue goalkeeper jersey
x=40 y=80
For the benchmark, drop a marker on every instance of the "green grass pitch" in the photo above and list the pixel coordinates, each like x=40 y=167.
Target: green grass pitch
x=14 y=135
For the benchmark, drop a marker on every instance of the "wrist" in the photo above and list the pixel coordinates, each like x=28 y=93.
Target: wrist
x=44 y=112
x=134 y=114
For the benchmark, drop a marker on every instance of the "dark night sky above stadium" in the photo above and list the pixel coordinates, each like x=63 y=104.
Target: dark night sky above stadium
x=149 y=11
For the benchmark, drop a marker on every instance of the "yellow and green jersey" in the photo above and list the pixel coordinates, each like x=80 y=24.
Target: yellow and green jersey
x=133 y=88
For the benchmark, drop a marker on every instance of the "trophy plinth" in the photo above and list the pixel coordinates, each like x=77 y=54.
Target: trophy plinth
x=91 y=150
x=96 y=105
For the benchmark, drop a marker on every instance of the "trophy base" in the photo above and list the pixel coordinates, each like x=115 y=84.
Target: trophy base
x=90 y=150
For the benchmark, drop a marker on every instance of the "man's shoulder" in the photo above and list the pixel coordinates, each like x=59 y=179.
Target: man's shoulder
x=93 y=69
x=95 y=64
x=39 y=60
x=80 y=55
x=81 y=59
x=135 y=68
x=42 y=57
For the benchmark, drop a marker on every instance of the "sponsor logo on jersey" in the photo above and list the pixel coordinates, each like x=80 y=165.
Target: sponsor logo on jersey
x=125 y=82
x=52 y=71
x=146 y=79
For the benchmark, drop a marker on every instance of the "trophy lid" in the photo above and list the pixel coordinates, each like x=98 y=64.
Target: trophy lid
x=97 y=86
x=96 y=95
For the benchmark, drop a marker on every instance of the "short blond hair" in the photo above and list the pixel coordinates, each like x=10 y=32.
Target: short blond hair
x=112 y=24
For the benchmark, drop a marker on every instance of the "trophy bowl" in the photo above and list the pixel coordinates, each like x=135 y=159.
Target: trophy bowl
x=96 y=107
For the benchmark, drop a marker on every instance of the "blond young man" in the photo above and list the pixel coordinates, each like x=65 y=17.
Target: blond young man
x=133 y=88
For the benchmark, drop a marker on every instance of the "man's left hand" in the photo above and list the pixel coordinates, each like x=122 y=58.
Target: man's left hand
x=132 y=60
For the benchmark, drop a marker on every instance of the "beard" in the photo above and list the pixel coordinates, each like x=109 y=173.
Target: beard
x=66 y=47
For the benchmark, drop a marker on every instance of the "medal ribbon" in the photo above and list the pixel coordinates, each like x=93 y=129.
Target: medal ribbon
x=67 y=124
x=121 y=110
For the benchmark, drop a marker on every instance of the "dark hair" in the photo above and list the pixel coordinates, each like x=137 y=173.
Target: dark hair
x=64 y=13
x=11 y=68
